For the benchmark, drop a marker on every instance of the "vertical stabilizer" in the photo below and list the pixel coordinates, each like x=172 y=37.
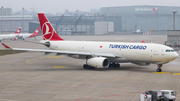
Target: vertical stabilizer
x=48 y=31
x=18 y=31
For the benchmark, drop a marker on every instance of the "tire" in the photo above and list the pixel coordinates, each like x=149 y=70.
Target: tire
x=159 y=70
x=85 y=66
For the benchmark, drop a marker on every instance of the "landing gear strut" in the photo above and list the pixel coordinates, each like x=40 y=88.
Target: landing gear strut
x=159 y=68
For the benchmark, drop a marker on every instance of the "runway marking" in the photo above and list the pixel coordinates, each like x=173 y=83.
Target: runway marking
x=49 y=57
x=161 y=72
x=1 y=63
x=59 y=66
x=175 y=73
x=28 y=61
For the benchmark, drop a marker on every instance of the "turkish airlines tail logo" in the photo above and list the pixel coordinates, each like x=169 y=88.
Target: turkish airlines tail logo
x=18 y=31
x=47 y=29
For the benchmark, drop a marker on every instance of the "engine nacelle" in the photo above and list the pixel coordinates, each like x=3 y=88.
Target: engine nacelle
x=98 y=62
x=142 y=64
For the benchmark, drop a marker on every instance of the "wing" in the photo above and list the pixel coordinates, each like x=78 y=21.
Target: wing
x=59 y=52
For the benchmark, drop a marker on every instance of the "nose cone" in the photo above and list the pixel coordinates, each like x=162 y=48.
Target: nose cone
x=174 y=55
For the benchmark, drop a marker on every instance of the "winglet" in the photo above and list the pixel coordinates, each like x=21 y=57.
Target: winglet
x=6 y=46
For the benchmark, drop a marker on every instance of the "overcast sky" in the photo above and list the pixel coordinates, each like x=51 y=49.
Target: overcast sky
x=53 y=6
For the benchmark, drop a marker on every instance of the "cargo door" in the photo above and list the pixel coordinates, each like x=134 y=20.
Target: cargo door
x=156 y=51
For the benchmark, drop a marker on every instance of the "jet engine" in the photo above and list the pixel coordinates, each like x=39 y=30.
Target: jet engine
x=142 y=64
x=98 y=62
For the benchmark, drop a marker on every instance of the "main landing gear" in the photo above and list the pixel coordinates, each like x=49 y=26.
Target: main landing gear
x=159 y=68
x=114 y=65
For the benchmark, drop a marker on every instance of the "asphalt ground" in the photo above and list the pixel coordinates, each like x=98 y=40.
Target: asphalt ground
x=33 y=76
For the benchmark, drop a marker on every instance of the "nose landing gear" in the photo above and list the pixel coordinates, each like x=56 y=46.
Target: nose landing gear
x=159 y=68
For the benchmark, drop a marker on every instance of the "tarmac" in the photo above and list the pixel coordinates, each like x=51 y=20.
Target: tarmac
x=33 y=76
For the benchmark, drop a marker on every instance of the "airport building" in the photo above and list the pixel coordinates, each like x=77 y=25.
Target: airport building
x=118 y=19
x=71 y=25
x=129 y=18
x=11 y=23
x=6 y=11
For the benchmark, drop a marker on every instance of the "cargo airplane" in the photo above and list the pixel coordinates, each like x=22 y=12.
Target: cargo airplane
x=103 y=54
x=23 y=36
x=10 y=36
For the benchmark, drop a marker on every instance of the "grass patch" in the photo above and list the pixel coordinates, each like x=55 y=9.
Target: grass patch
x=6 y=52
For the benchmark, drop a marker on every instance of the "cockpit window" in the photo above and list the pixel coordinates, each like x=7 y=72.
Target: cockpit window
x=170 y=50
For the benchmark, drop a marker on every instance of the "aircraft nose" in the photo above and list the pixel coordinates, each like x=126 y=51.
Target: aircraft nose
x=175 y=55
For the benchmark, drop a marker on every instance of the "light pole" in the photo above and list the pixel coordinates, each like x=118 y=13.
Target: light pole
x=107 y=20
x=23 y=19
x=174 y=12
x=1 y=20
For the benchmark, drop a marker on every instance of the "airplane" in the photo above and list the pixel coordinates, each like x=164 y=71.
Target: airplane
x=23 y=36
x=10 y=36
x=102 y=54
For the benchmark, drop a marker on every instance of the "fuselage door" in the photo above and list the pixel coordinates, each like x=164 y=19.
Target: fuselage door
x=156 y=51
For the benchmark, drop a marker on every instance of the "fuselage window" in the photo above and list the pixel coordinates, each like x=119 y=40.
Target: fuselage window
x=169 y=50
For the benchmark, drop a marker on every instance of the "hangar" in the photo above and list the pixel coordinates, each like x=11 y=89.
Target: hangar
x=120 y=19
x=145 y=17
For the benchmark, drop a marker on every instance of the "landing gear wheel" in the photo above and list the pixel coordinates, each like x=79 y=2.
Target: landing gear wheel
x=158 y=70
x=118 y=65
x=114 y=65
x=85 y=66
x=91 y=67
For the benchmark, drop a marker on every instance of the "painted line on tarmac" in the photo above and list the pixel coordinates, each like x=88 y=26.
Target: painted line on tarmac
x=49 y=57
x=175 y=73
x=162 y=72
x=1 y=62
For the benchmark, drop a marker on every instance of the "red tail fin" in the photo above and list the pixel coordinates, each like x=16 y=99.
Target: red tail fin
x=36 y=33
x=48 y=32
x=18 y=31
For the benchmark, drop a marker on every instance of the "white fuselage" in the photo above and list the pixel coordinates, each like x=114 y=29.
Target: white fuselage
x=24 y=35
x=131 y=52
x=8 y=36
